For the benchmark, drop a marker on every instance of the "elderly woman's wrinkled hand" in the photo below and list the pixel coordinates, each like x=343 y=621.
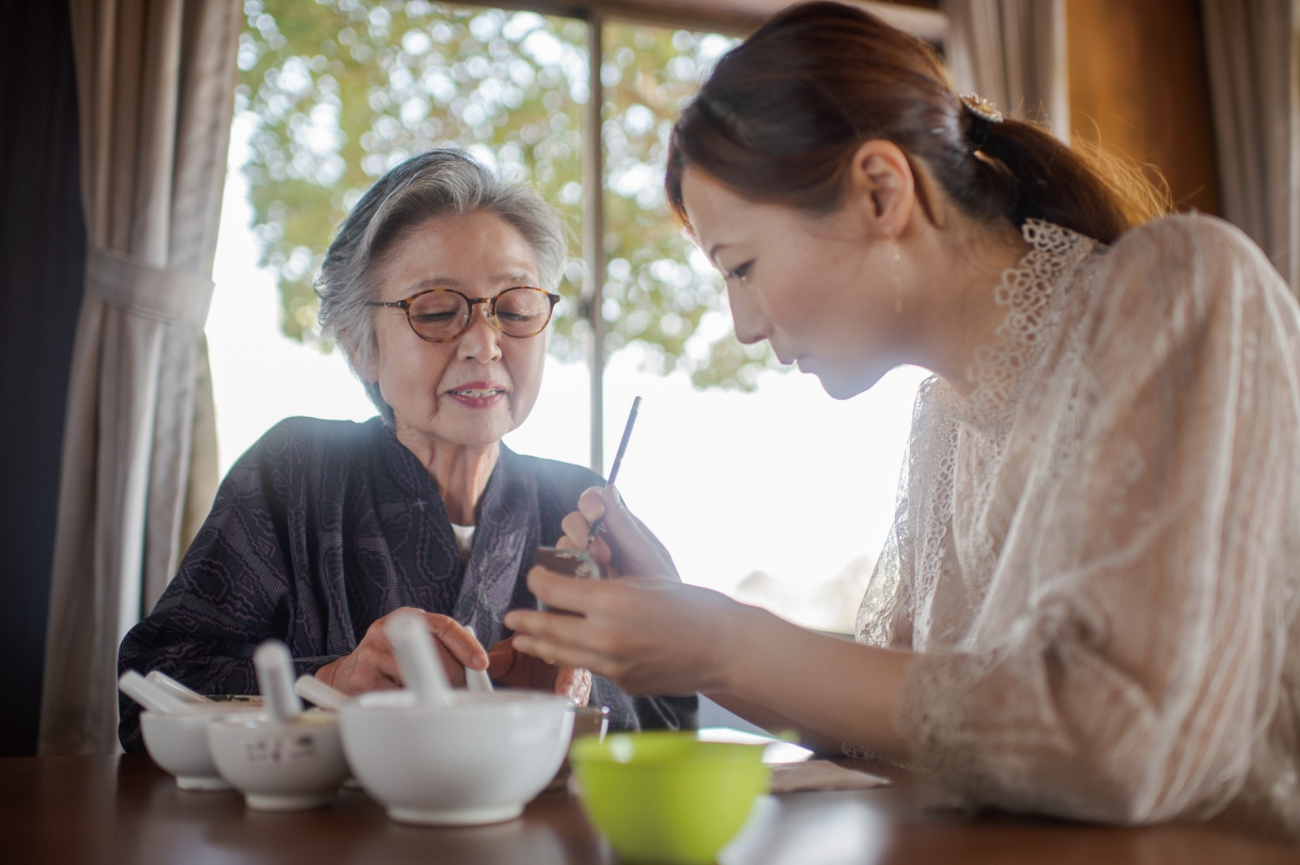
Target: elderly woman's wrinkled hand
x=514 y=669
x=623 y=545
x=373 y=667
x=647 y=635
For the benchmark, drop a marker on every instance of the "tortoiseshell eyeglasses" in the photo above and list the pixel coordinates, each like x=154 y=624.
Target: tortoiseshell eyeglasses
x=442 y=314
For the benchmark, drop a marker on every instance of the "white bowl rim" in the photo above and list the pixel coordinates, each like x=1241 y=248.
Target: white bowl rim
x=206 y=711
x=259 y=721
x=387 y=703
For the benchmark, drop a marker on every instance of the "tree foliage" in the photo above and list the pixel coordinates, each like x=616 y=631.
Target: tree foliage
x=339 y=91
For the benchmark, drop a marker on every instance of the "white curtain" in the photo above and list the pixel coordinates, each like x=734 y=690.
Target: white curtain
x=156 y=88
x=1253 y=48
x=1012 y=52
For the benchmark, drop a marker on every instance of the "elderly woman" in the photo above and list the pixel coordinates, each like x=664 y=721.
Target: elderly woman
x=439 y=286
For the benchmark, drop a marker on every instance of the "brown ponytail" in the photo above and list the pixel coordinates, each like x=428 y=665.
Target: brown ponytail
x=784 y=111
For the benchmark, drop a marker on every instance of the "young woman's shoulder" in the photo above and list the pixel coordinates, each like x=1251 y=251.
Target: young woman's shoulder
x=1192 y=246
x=1177 y=273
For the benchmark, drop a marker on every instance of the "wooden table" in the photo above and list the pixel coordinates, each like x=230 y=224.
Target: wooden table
x=73 y=810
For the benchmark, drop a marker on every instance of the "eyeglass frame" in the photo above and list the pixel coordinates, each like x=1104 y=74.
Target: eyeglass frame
x=405 y=306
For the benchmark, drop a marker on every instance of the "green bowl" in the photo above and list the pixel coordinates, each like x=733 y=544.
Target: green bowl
x=668 y=797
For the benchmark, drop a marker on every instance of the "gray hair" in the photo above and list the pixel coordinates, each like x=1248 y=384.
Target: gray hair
x=430 y=184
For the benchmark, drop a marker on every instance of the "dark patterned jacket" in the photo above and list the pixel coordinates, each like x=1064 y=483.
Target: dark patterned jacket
x=321 y=528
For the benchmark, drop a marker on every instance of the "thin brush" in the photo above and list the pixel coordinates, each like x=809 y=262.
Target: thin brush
x=618 y=461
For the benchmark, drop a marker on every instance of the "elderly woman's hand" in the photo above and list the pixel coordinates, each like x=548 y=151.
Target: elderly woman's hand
x=623 y=545
x=373 y=667
x=647 y=635
x=514 y=669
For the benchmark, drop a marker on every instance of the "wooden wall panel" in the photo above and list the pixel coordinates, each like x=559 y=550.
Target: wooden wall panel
x=1139 y=87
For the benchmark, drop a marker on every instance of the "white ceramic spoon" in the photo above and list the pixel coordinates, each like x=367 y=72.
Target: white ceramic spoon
x=328 y=697
x=417 y=659
x=152 y=697
x=315 y=691
x=274 y=667
x=175 y=688
x=478 y=680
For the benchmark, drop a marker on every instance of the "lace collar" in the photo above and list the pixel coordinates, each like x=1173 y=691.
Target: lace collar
x=1033 y=293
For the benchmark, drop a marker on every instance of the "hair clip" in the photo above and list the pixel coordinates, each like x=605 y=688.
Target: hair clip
x=982 y=108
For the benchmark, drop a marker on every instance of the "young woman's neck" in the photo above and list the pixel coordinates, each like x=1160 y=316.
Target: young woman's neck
x=956 y=271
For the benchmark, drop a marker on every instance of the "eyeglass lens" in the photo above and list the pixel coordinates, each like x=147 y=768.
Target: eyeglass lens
x=519 y=312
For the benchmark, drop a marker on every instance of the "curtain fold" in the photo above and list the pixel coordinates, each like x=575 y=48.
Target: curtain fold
x=156 y=85
x=1253 y=49
x=1014 y=53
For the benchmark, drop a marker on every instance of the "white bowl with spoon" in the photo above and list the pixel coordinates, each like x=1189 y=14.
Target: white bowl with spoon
x=434 y=756
x=175 y=730
x=281 y=759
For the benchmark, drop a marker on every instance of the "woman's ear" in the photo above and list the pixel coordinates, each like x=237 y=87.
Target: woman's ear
x=882 y=187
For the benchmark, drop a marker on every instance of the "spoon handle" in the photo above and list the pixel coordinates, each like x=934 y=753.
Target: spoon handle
x=275 y=680
x=313 y=689
x=150 y=696
x=417 y=659
x=478 y=681
x=175 y=688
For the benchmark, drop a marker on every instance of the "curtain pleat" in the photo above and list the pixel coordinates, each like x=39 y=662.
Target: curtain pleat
x=156 y=89
x=1253 y=49
x=1012 y=52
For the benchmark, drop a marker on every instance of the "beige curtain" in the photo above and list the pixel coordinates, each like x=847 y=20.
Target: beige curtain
x=1014 y=53
x=1253 y=48
x=155 y=86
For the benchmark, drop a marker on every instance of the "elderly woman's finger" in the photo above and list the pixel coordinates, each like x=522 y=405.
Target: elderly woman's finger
x=501 y=659
x=458 y=640
x=574 y=683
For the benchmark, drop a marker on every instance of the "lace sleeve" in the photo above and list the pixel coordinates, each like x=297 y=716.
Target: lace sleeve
x=1129 y=650
x=886 y=615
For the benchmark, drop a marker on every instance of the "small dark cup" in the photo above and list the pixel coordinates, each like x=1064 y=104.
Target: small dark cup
x=570 y=563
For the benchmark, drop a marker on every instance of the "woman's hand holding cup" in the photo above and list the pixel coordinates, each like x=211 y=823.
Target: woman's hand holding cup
x=623 y=545
x=647 y=633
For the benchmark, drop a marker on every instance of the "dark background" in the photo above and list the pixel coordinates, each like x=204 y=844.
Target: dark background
x=42 y=259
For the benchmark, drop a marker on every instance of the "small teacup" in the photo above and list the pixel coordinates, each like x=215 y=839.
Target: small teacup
x=587 y=721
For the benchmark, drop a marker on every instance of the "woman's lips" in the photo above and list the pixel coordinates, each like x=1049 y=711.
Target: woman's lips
x=478 y=394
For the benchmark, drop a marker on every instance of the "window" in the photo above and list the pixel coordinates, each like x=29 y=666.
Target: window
x=759 y=484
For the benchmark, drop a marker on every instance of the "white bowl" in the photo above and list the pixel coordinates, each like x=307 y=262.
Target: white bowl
x=289 y=767
x=179 y=744
x=479 y=760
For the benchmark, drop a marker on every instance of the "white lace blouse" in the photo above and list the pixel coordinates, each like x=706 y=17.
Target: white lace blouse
x=1096 y=551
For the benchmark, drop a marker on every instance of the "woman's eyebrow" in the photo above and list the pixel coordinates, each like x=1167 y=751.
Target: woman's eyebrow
x=433 y=282
x=518 y=277
x=513 y=277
